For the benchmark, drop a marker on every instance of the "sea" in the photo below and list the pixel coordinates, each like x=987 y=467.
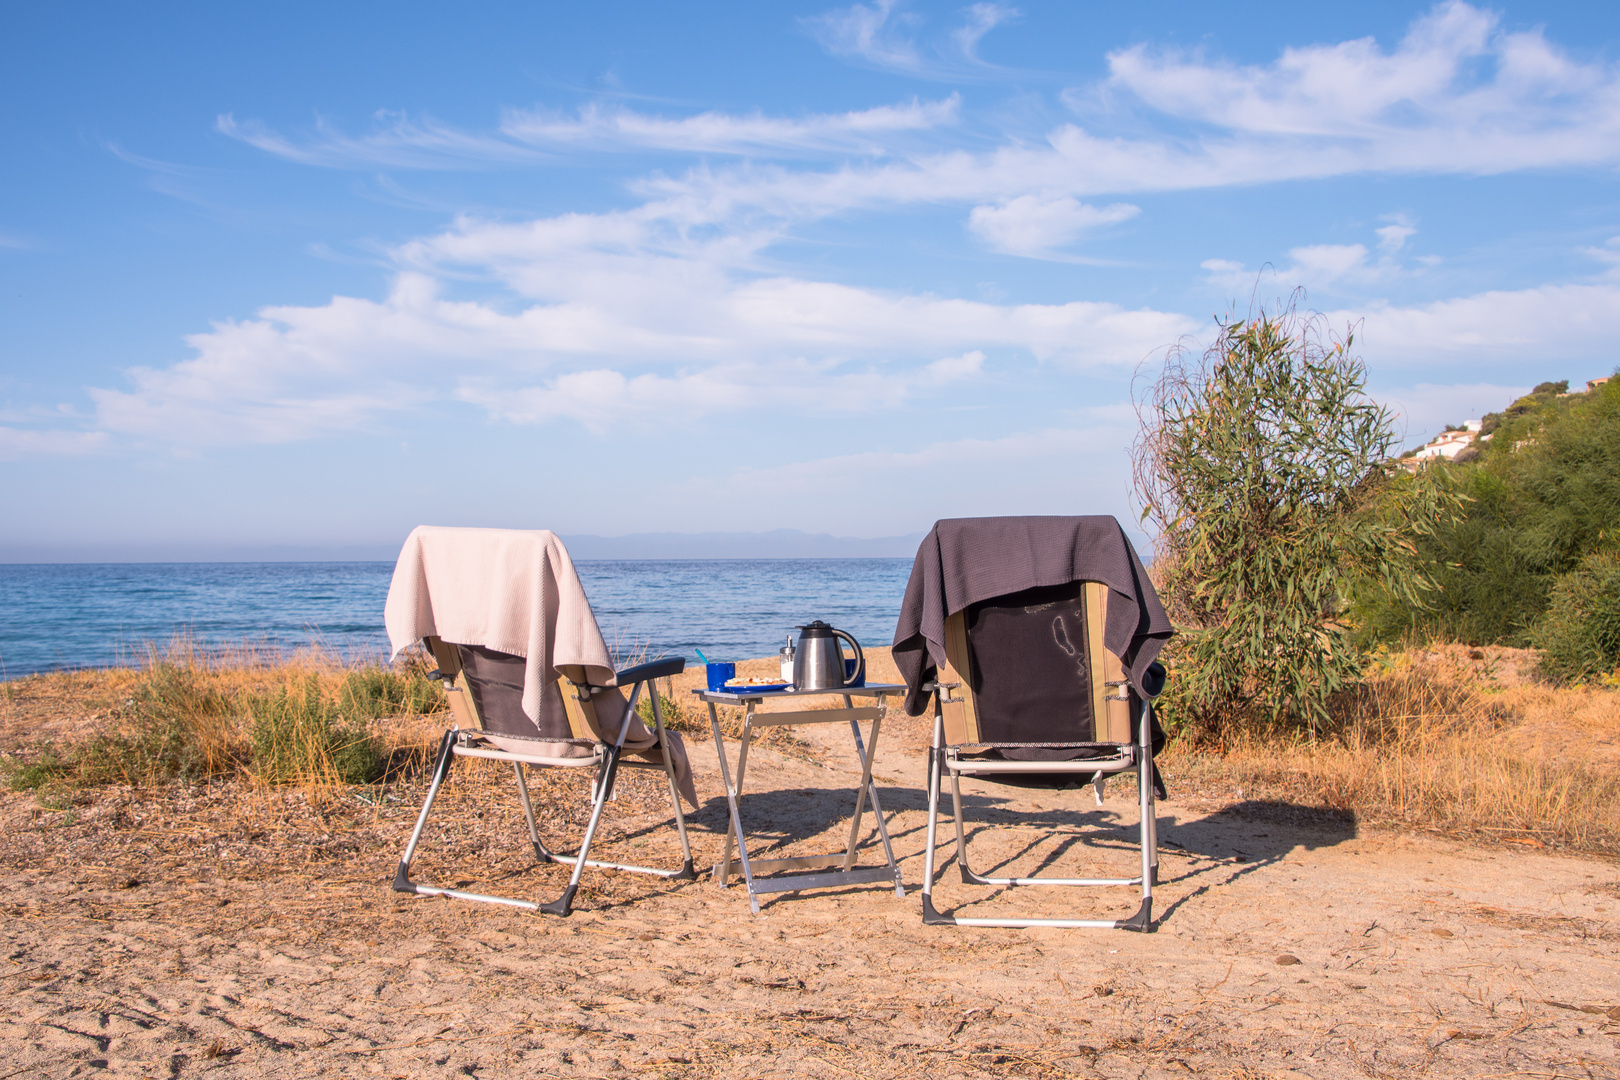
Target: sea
x=60 y=616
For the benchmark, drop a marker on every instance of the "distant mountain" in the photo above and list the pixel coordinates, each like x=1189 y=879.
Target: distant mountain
x=776 y=544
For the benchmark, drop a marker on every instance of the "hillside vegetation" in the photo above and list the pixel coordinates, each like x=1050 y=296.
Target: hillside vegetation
x=1533 y=558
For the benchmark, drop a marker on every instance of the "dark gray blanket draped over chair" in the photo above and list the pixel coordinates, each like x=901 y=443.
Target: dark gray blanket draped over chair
x=966 y=560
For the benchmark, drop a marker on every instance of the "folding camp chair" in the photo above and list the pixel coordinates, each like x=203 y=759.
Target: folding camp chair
x=585 y=720
x=1029 y=691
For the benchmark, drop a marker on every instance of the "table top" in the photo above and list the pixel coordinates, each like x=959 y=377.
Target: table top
x=741 y=695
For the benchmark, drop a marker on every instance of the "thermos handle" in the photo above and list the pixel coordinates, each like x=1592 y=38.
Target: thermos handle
x=860 y=660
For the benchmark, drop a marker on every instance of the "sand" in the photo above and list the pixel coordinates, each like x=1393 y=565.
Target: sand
x=234 y=931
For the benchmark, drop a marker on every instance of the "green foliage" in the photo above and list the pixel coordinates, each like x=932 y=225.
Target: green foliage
x=1541 y=495
x=667 y=706
x=45 y=769
x=171 y=727
x=373 y=692
x=1262 y=463
x=305 y=737
x=1580 y=634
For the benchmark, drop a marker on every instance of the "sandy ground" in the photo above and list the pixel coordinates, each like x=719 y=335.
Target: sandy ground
x=238 y=932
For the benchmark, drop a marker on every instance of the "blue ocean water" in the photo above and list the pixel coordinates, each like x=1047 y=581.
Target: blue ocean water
x=76 y=615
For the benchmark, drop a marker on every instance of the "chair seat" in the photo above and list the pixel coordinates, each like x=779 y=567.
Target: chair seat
x=1116 y=759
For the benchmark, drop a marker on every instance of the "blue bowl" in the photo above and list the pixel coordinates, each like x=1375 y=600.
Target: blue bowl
x=719 y=673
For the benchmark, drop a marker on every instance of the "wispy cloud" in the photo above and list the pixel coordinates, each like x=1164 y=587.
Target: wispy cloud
x=878 y=33
x=981 y=19
x=1040 y=227
x=1331 y=268
x=398 y=142
x=884 y=34
x=863 y=131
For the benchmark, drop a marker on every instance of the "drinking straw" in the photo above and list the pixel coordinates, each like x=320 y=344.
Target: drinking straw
x=701 y=657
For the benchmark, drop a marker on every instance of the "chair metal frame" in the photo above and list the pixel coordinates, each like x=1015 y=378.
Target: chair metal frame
x=606 y=757
x=945 y=757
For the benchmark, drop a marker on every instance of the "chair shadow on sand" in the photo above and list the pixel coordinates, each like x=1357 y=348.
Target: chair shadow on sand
x=1209 y=853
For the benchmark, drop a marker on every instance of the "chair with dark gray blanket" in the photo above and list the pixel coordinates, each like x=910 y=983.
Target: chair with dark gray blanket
x=1035 y=638
x=585 y=717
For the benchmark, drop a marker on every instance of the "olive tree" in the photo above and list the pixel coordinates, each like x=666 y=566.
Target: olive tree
x=1265 y=468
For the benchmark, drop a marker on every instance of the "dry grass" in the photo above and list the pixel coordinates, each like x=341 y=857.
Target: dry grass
x=1433 y=739
x=309 y=718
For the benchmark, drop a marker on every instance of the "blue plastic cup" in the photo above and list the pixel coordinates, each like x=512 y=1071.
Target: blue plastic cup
x=849 y=673
x=719 y=673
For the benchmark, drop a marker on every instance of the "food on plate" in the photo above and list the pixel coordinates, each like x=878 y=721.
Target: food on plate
x=754 y=680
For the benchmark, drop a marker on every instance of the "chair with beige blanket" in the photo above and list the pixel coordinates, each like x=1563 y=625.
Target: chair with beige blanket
x=530 y=683
x=1035 y=640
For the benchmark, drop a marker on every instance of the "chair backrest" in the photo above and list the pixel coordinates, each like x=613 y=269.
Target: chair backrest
x=485 y=691
x=1033 y=668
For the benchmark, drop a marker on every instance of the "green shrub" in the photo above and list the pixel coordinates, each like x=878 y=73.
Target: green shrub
x=374 y=692
x=304 y=738
x=46 y=768
x=1579 y=636
x=1263 y=464
x=173 y=726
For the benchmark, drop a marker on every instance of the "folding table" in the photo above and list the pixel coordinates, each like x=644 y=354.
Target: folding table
x=848 y=873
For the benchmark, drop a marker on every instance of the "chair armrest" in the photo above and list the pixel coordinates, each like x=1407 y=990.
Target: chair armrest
x=653 y=669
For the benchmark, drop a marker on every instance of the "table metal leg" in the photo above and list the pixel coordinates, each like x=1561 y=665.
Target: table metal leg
x=733 y=791
x=868 y=755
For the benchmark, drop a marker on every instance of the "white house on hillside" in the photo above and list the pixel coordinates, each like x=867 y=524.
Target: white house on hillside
x=1448 y=444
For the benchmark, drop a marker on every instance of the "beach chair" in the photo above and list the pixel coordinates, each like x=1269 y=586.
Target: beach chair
x=1035 y=639
x=546 y=697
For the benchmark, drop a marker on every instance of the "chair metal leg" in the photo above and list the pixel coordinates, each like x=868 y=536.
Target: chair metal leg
x=441 y=769
x=936 y=766
x=686 y=873
x=1142 y=920
x=540 y=851
x=610 y=767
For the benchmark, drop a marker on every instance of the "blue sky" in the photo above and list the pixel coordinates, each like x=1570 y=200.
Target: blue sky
x=311 y=275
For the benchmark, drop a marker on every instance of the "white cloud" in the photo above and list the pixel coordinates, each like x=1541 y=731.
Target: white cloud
x=1037 y=226
x=1525 y=327
x=862 y=130
x=1456 y=94
x=398 y=142
x=981 y=19
x=1323 y=267
x=874 y=32
x=1609 y=254
x=616 y=309
x=601 y=399
x=1391 y=238
x=18 y=442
